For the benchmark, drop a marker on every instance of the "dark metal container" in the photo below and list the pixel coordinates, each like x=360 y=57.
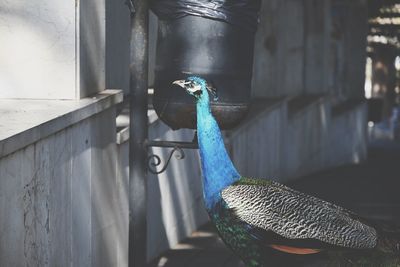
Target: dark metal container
x=215 y=50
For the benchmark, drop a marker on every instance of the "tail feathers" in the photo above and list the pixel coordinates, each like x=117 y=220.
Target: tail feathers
x=389 y=239
x=389 y=244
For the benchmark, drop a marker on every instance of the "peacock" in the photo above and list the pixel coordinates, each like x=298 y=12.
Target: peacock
x=255 y=215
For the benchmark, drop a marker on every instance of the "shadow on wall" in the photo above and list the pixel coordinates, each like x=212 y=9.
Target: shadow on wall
x=117 y=45
x=175 y=202
x=107 y=242
x=91 y=47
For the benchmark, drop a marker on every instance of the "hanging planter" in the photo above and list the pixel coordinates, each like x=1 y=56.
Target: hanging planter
x=211 y=39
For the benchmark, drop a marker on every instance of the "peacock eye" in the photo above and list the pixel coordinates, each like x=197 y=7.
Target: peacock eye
x=198 y=93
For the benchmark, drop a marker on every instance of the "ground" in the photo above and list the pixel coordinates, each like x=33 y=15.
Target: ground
x=370 y=189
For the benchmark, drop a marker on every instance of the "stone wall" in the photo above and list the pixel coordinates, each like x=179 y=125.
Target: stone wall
x=59 y=199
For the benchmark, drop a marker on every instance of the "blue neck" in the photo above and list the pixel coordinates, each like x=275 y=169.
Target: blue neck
x=217 y=167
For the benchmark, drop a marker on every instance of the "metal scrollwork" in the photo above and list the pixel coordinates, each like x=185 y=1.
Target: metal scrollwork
x=131 y=6
x=154 y=160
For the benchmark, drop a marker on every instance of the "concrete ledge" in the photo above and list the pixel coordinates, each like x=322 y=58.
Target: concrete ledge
x=299 y=104
x=23 y=122
x=344 y=107
x=259 y=106
x=123 y=124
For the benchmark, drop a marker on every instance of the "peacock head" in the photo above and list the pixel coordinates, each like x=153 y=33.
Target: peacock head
x=197 y=87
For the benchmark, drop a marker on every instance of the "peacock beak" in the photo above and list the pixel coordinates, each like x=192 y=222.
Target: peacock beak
x=180 y=83
x=189 y=86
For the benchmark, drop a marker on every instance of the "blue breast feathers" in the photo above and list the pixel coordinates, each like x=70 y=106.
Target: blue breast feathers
x=217 y=167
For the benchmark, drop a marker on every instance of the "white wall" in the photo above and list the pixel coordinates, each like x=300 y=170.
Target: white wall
x=257 y=145
x=51 y=49
x=283 y=144
x=58 y=199
x=348 y=137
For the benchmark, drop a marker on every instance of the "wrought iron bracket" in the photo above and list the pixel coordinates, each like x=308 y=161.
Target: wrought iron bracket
x=131 y=6
x=153 y=161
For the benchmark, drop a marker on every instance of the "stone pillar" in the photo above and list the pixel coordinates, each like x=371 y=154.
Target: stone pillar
x=52 y=49
x=317 y=46
x=279 y=57
x=355 y=48
x=384 y=76
x=117 y=45
x=348 y=48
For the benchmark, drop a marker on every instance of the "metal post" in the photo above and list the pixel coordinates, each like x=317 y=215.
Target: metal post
x=138 y=134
